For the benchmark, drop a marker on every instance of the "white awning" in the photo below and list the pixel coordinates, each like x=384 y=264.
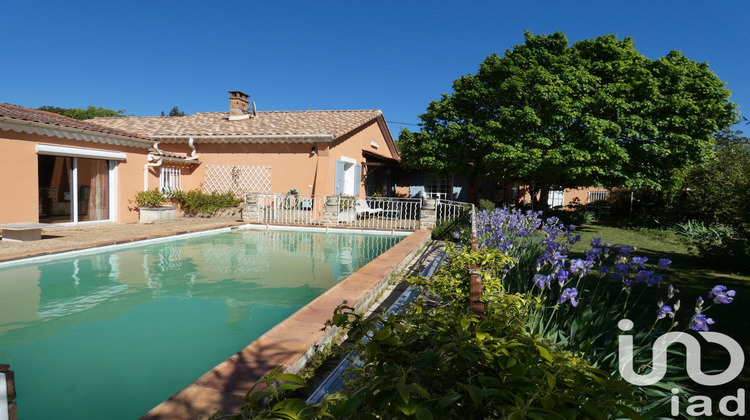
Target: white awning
x=46 y=149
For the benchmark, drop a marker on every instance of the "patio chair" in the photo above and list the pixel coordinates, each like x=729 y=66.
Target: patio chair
x=362 y=208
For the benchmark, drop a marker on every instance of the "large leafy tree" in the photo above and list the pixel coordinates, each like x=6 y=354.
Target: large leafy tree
x=83 y=114
x=550 y=115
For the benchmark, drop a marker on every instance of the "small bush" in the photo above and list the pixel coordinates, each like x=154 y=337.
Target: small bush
x=150 y=198
x=457 y=230
x=717 y=243
x=577 y=217
x=486 y=205
x=198 y=203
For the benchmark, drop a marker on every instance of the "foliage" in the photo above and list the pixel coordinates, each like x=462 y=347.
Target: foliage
x=458 y=229
x=83 y=114
x=582 y=299
x=150 y=198
x=197 y=203
x=175 y=112
x=718 y=244
x=548 y=114
x=487 y=205
x=720 y=190
x=576 y=217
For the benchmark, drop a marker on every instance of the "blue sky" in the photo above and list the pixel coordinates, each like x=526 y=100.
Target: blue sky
x=148 y=56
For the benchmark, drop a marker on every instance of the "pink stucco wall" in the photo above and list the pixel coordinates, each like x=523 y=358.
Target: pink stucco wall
x=19 y=184
x=292 y=164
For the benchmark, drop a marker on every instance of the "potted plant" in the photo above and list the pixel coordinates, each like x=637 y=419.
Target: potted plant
x=150 y=207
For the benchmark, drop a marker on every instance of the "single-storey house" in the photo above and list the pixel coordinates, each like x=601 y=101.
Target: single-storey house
x=58 y=169
x=65 y=170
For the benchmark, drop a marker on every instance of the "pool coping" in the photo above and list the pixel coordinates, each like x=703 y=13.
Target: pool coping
x=291 y=343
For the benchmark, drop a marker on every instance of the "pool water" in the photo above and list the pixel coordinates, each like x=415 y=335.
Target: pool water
x=112 y=334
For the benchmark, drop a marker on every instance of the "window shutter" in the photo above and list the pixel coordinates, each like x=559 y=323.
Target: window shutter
x=357 y=180
x=338 y=188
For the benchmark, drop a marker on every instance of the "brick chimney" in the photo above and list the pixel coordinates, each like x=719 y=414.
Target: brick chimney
x=238 y=105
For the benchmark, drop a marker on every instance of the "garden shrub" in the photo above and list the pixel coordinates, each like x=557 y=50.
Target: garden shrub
x=718 y=244
x=197 y=203
x=150 y=198
x=456 y=230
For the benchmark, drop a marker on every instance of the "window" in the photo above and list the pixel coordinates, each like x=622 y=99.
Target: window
x=436 y=187
x=169 y=179
x=74 y=189
x=556 y=198
x=597 y=196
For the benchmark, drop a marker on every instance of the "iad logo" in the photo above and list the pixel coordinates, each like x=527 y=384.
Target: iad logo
x=702 y=406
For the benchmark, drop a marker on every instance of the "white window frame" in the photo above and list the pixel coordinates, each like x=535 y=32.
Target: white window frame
x=595 y=196
x=556 y=198
x=74 y=154
x=437 y=187
x=170 y=178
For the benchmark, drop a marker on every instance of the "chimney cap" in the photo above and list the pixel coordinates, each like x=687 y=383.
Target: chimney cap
x=238 y=94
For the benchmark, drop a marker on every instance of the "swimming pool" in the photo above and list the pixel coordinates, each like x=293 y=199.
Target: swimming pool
x=111 y=334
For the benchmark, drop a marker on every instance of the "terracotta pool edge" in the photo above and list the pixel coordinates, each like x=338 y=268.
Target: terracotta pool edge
x=119 y=241
x=291 y=343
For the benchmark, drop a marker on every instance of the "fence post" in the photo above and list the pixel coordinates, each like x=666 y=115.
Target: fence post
x=428 y=214
x=9 y=398
x=250 y=212
x=331 y=211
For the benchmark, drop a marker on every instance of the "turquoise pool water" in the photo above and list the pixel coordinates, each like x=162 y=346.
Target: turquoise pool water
x=112 y=334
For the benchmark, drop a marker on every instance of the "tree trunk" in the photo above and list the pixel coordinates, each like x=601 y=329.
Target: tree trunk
x=543 y=198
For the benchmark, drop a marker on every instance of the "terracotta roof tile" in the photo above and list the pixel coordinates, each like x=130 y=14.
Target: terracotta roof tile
x=272 y=123
x=43 y=117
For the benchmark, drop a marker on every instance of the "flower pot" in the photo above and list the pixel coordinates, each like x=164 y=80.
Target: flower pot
x=156 y=214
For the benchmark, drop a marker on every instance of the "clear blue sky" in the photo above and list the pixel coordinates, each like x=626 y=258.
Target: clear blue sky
x=148 y=56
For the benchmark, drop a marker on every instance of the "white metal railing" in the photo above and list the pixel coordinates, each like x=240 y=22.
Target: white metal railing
x=290 y=209
x=368 y=212
x=380 y=212
x=451 y=210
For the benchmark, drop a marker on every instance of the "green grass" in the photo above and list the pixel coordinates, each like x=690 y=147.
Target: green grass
x=693 y=277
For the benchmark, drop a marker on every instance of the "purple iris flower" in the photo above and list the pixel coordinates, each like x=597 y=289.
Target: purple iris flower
x=622 y=268
x=541 y=280
x=721 y=294
x=643 y=276
x=569 y=294
x=655 y=280
x=456 y=235
x=700 y=323
x=604 y=270
x=664 y=263
x=671 y=291
x=638 y=262
x=562 y=277
x=665 y=311
x=596 y=242
x=580 y=266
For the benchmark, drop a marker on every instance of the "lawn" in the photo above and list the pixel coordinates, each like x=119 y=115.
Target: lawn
x=693 y=277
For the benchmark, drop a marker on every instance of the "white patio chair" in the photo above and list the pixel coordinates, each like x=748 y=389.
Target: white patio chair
x=362 y=208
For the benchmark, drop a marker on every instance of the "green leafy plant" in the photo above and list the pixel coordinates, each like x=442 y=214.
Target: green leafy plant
x=197 y=203
x=487 y=205
x=149 y=198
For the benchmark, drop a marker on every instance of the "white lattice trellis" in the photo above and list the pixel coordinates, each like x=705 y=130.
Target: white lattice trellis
x=240 y=180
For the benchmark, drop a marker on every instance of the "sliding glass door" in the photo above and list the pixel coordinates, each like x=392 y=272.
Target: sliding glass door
x=73 y=189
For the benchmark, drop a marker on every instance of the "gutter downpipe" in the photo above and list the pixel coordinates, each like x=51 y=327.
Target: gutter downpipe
x=151 y=165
